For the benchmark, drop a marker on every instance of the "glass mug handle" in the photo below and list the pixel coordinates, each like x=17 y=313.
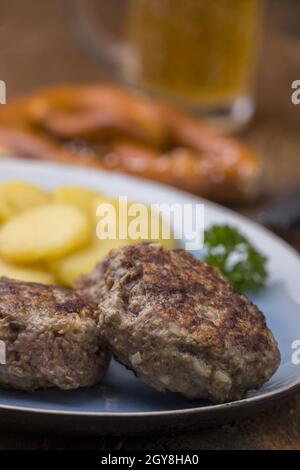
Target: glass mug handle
x=99 y=26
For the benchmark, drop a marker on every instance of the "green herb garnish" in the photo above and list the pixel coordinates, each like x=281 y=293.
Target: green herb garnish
x=230 y=251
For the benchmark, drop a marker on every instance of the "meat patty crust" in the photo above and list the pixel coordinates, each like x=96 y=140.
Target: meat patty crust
x=179 y=325
x=50 y=336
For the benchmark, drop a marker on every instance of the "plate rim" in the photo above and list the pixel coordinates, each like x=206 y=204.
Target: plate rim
x=275 y=394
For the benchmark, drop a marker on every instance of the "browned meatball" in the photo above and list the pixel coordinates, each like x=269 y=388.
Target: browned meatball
x=179 y=325
x=51 y=338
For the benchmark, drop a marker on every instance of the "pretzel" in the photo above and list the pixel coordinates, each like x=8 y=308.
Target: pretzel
x=101 y=126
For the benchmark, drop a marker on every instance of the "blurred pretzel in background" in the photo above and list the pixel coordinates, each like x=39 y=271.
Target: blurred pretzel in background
x=104 y=127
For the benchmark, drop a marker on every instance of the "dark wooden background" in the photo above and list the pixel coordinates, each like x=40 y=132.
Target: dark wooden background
x=40 y=45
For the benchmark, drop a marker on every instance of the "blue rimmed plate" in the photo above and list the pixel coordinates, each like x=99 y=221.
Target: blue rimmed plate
x=122 y=403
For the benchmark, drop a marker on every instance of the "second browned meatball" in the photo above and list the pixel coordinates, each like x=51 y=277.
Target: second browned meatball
x=179 y=325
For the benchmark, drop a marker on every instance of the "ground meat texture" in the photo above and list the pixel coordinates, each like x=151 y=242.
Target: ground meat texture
x=51 y=338
x=179 y=325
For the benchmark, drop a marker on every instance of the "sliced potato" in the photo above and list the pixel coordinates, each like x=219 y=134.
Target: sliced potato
x=142 y=225
x=28 y=274
x=62 y=232
x=169 y=244
x=68 y=269
x=164 y=230
x=88 y=201
x=85 y=199
x=46 y=232
x=16 y=197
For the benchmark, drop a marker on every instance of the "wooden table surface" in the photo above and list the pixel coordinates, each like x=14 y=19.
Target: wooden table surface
x=39 y=45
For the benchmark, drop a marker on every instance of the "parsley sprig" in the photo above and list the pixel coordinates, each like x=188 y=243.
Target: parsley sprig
x=239 y=261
